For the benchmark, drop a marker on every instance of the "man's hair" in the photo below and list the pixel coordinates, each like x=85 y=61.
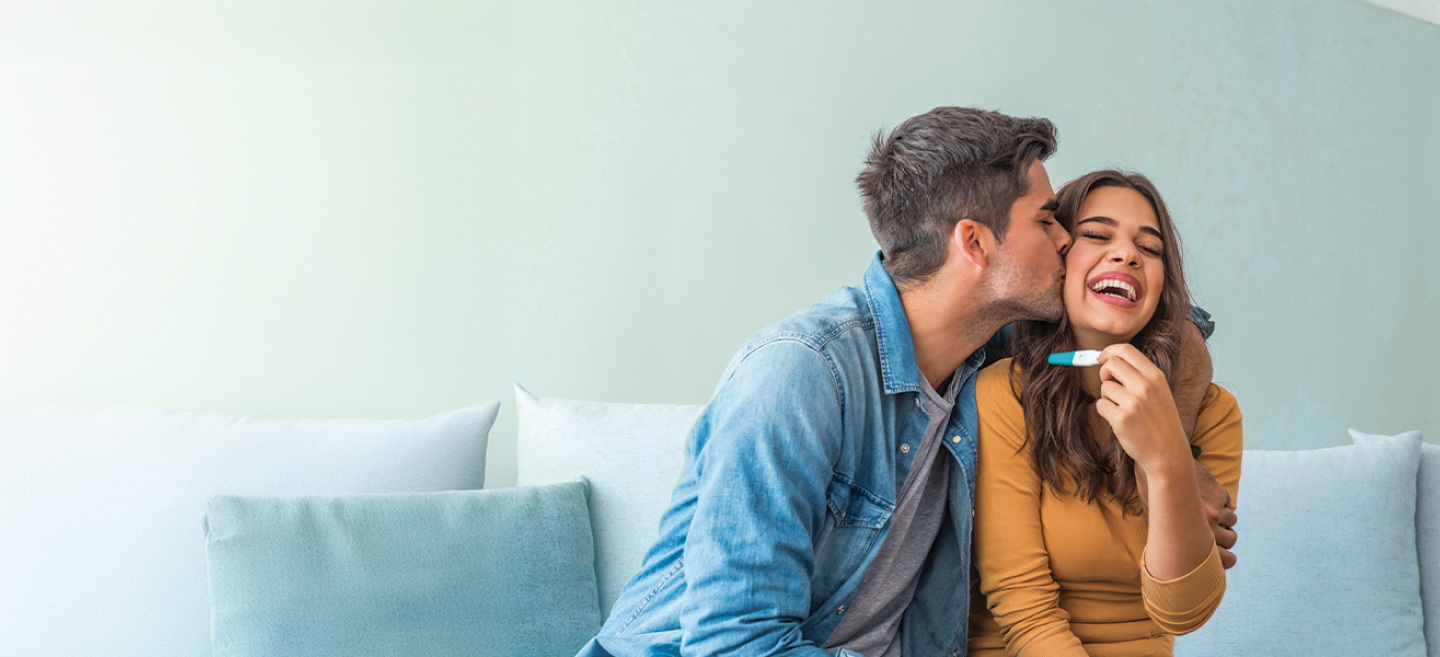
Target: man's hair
x=948 y=164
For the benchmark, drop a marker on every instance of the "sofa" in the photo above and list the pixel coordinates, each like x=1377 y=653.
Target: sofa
x=129 y=532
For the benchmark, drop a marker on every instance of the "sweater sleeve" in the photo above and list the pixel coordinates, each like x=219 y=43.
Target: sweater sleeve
x=1010 y=555
x=1183 y=604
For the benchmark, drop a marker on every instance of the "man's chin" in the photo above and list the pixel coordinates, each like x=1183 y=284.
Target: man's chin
x=1050 y=315
x=1041 y=310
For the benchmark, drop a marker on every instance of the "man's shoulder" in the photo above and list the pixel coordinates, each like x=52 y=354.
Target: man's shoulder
x=831 y=341
x=820 y=325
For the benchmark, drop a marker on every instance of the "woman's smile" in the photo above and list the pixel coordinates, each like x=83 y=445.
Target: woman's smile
x=1117 y=289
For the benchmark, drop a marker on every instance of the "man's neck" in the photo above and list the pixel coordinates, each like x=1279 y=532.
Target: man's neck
x=946 y=326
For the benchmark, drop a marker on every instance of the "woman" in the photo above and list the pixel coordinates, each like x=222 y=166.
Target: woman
x=1089 y=534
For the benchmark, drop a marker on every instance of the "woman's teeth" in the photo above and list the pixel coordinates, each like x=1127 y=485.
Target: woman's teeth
x=1115 y=288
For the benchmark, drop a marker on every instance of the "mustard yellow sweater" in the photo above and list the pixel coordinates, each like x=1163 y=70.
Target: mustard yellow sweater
x=1060 y=576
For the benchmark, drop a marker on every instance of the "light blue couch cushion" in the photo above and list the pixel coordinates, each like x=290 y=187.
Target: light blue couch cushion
x=488 y=573
x=1427 y=532
x=1327 y=561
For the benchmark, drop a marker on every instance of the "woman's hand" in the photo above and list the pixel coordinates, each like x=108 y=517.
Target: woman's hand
x=1135 y=399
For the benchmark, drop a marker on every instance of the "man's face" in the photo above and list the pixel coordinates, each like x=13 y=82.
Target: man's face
x=1029 y=268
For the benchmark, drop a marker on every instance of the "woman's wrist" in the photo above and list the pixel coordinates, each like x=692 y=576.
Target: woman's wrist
x=1176 y=463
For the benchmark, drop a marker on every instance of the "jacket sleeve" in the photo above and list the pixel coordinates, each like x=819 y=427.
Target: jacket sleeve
x=763 y=460
x=1010 y=553
x=1182 y=605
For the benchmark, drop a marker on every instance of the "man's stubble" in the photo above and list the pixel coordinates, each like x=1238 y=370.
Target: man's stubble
x=1017 y=295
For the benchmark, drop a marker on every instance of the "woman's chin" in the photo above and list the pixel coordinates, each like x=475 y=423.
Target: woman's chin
x=1101 y=335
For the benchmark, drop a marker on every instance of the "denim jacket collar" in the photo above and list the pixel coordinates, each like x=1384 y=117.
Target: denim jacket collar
x=898 y=367
x=892 y=331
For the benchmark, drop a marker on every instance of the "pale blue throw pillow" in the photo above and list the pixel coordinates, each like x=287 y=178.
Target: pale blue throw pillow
x=1427 y=531
x=632 y=455
x=487 y=573
x=1327 y=560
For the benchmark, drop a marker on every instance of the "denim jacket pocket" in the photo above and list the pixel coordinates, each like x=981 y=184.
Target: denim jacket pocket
x=852 y=506
x=855 y=520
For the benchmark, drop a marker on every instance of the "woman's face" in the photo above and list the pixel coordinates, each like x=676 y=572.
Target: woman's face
x=1115 y=269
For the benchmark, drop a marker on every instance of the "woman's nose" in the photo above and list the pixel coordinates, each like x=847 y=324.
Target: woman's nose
x=1124 y=256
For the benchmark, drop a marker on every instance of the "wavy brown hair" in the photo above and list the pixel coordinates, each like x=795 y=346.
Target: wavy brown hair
x=1058 y=410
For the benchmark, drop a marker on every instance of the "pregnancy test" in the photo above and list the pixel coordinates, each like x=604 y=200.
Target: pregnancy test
x=1082 y=358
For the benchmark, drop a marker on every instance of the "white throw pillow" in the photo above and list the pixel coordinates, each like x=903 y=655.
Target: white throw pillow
x=1327 y=562
x=101 y=509
x=1427 y=532
x=631 y=454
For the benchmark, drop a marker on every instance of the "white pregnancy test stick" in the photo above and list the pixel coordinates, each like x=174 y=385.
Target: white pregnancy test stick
x=1082 y=358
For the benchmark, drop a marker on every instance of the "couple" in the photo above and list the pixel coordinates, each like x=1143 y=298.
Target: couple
x=851 y=452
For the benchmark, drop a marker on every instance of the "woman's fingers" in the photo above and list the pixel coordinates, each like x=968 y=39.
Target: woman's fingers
x=1120 y=371
x=1116 y=393
x=1128 y=353
x=1108 y=410
x=1126 y=364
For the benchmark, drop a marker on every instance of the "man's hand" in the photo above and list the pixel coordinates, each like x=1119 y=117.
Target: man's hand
x=1219 y=509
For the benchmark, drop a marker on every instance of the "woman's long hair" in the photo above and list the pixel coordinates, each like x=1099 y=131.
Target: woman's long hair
x=1058 y=410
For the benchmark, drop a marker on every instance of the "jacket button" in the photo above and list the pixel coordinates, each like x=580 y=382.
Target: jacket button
x=904 y=448
x=955 y=440
x=841 y=610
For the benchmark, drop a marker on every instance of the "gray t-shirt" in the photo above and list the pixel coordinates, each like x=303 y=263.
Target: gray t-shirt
x=871 y=625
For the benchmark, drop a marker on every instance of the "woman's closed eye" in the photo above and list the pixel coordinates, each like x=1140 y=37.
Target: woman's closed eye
x=1102 y=237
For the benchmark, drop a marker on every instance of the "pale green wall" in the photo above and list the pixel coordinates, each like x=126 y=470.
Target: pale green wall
x=396 y=208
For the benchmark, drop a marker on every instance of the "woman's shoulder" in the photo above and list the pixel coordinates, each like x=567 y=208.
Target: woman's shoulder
x=1218 y=404
x=1000 y=378
x=1002 y=418
x=997 y=389
x=1219 y=425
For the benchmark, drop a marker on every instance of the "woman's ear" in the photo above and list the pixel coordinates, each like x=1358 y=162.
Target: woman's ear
x=973 y=242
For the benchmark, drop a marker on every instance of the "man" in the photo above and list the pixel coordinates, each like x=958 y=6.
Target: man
x=826 y=499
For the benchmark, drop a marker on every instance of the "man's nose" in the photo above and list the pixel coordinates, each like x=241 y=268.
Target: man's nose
x=1062 y=240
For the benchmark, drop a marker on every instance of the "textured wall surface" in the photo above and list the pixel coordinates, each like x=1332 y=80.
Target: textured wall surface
x=322 y=209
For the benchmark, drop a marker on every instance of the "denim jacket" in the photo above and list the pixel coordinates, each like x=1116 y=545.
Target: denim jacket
x=791 y=474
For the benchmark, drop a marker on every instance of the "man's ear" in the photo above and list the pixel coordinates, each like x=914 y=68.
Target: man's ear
x=974 y=242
